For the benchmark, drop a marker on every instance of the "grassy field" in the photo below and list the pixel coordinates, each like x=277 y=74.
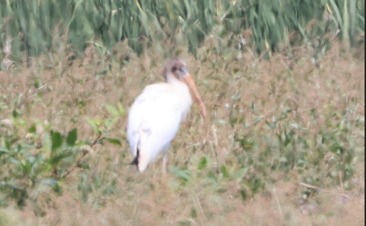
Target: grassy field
x=283 y=143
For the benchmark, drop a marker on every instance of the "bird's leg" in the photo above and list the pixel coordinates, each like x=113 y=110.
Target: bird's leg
x=164 y=174
x=165 y=161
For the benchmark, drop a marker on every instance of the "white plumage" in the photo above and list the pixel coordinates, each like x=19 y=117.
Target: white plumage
x=156 y=114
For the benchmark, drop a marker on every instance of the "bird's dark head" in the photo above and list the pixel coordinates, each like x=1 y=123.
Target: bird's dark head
x=177 y=67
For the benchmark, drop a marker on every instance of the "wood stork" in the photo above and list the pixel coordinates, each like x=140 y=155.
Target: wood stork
x=156 y=114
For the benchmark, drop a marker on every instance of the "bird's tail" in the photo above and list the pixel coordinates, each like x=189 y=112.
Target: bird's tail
x=141 y=159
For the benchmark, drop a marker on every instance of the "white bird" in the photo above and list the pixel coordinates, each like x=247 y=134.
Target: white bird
x=156 y=114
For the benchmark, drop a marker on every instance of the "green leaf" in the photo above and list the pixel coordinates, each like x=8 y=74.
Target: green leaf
x=15 y=113
x=240 y=173
x=3 y=150
x=224 y=172
x=54 y=160
x=113 y=141
x=193 y=213
x=283 y=159
x=243 y=194
x=36 y=84
x=112 y=110
x=182 y=174
x=121 y=110
x=10 y=185
x=15 y=161
x=19 y=148
x=7 y=144
x=212 y=176
x=245 y=143
x=27 y=167
x=108 y=123
x=49 y=182
x=95 y=125
x=47 y=141
x=271 y=125
x=203 y=163
x=72 y=137
x=56 y=140
x=32 y=129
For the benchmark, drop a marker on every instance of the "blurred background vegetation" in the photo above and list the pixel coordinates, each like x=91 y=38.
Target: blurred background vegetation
x=284 y=139
x=38 y=26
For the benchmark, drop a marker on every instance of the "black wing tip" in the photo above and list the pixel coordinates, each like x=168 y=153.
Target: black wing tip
x=135 y=161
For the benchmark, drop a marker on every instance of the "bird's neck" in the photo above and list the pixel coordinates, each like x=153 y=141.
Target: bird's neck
x=172 y=80
x=182 y=90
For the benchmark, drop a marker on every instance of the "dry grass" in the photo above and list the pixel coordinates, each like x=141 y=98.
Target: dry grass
x=243 y=95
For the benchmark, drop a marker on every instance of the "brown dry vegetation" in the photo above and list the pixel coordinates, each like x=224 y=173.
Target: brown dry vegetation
x=244 y=96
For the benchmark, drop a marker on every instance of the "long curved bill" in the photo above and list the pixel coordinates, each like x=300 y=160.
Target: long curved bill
x=192 y=87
